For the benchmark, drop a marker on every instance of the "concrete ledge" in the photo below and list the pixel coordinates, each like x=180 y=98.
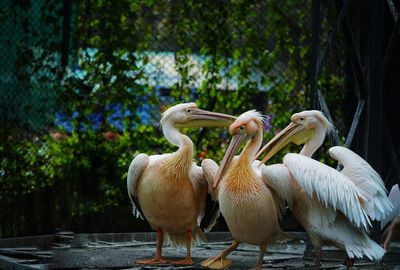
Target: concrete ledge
x=66 y=250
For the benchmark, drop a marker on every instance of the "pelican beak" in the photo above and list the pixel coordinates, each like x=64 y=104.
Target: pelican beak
x=294 y=132
x=203 y=118
x=236 y=141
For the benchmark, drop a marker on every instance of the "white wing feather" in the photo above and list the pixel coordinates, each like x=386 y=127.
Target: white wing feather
x=197 y=177
x=367 y=181
x=278 y=177
x=199 y=183
x=331 y=187
x=355 y=242
x=210 y=169
x=394 y=197
x=136 y=168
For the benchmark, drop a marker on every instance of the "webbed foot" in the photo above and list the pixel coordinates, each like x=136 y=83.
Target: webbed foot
x=217 y=263
x=187 y=261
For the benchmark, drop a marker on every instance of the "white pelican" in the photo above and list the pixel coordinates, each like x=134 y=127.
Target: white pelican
x=251 y=209
x=169 y=190
x=335 y=208
x=394 y=218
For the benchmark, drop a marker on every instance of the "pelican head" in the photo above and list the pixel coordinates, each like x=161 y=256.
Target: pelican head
x=305 y=127
x=188 y=115
x=246 y=127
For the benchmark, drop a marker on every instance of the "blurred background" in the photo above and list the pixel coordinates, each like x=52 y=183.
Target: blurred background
x=83 y=84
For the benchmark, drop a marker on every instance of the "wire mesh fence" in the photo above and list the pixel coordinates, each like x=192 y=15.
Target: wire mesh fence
x=30 y=38
x=74 y=76
x=168 y=54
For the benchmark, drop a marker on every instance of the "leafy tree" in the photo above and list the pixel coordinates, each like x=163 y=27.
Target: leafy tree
x=227 y=56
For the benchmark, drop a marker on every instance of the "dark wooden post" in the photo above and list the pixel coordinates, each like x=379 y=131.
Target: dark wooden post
x=316 y=29
x=314 y=104
x=372 y=29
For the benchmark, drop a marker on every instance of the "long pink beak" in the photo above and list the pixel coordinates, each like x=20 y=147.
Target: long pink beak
x=230 y=153
x=278 y=142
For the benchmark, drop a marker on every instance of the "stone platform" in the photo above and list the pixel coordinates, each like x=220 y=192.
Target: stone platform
x=119 y=251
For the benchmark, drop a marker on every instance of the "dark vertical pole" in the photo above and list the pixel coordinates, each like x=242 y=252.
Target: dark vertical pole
x=375 y=117
x=391 y=46
x=373 y=146
x=316 y=29
x=66 y=32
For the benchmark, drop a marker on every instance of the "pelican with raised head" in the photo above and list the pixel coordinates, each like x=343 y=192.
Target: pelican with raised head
x=335 y=208
x=170 y=190
x=250 y=208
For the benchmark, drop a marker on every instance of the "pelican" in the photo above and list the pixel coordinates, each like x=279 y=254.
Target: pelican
x=393 y=218
x=251 y=209
x=169 y=190
x=335 y=208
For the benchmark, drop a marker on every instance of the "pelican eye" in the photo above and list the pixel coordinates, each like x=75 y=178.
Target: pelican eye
x=188 y=110
x=301 y=118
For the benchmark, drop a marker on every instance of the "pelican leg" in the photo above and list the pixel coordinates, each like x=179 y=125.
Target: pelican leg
x=158 y=257
x=220 y=261
x=259 y=265
x=318 y=256
x=395 y=225
x=188 y=260
x=348 y=262
x=388 y=239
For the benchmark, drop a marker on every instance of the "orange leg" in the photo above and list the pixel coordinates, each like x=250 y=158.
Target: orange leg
x=318 y=256
x=220 y=261
x=188 y=260
x=158 y=257
x=395 y=225
x=388 y=239
x=263 y=248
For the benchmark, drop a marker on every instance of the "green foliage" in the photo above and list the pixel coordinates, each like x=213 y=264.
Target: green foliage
x=86 y=164
x=30 y=65
x=229 y=56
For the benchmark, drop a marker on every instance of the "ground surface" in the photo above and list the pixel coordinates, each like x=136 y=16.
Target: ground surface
x=110 y=253
x=119 y=251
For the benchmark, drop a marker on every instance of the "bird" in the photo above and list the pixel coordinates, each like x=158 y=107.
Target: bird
x=169 y=190
x=393 y=219
x=335 y=208
x=250 y=208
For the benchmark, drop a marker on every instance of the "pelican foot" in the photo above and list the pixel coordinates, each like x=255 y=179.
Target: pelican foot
x=153 y=261
x=187 y=261
x=217 y=263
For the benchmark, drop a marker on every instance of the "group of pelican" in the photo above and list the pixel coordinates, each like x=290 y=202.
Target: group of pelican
x=335 y=208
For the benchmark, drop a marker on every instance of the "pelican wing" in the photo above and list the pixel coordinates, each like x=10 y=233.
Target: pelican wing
x=356 y=242
x=136 y=168
x=329 y=186
x=210 y=169
x=394 y=197
x=367 y=181
x=212 y=212
x=278 y=177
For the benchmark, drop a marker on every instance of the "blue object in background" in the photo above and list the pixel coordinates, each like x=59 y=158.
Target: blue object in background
x=113 y=115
